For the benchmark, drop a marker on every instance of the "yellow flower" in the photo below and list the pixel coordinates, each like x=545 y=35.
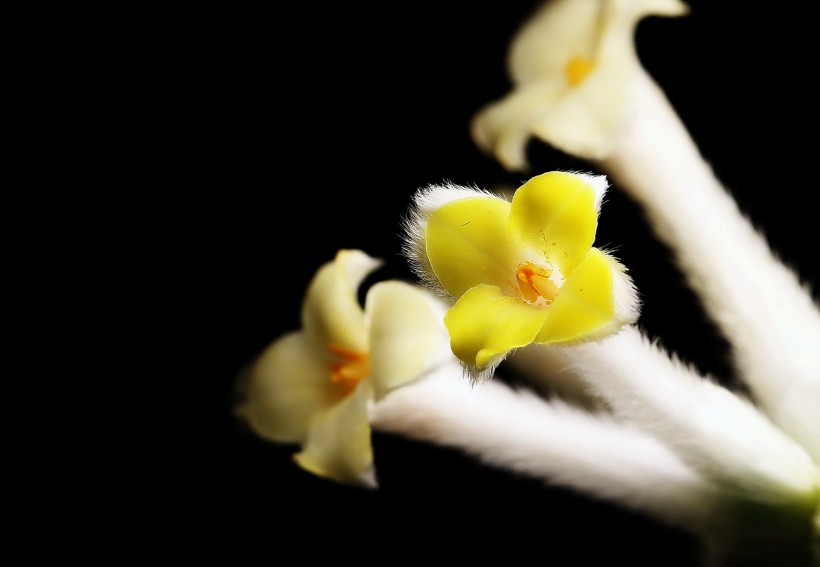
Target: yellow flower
x=571 y=66
x=313 y=386
x=521 y=272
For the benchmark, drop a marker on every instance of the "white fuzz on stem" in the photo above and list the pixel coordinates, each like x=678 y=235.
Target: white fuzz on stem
x=712 y=429
x=763 y=309
x=560 y=444
x=547 y=370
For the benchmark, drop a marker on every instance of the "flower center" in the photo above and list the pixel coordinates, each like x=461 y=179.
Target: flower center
x=534 y=283
x=577 y=70
x=350 y=370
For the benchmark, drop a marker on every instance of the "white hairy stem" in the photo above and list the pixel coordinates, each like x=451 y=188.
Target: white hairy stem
x=712 y=429
x=562 y=445
x=764 y=310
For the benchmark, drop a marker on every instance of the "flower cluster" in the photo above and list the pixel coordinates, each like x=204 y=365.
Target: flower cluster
x=520 y=281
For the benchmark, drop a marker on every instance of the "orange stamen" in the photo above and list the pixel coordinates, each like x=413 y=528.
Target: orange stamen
x=348 y=372
x=534 y=284
x=577 y=70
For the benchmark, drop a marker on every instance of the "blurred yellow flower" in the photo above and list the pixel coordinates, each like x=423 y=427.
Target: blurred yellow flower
x=521 y=272
x=572 y=66
x=313 y=386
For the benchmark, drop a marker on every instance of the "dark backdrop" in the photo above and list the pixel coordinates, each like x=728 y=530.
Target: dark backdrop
x=308 y=130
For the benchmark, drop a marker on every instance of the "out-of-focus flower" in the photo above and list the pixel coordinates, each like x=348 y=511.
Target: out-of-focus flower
x=521 y=272
x=313 y=386
x=571 y=66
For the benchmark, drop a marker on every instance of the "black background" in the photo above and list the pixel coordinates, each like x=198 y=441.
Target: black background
x=307 y=130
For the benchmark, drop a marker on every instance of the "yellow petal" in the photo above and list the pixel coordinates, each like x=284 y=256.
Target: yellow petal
x=468 y=243
x=555 y=214
x=285 y=387
x=485 y=324
x=331 y=313
x=406 y=335
x=585 y=304
x=338 y=444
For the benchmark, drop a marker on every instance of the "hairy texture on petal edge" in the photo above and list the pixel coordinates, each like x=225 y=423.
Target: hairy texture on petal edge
x=414 y=225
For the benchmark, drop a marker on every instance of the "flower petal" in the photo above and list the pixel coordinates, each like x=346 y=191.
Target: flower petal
x=406 y=335
x=557 y=32
x=504 y=128
x=425 y=202
x=331 y=313
x=555 y=213
x=338 y=444
x=586 y=121
x=561 y=30
x=286 y=385
x=634 y=10
x=468 y=243
x=585 y=305
x=485 y=325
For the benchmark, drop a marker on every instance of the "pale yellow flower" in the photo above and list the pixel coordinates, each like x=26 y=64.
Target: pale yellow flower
x=314 y=386
x=571 y=66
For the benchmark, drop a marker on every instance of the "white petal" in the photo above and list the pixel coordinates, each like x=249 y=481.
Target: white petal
x=407 y=337
x=285 y=387
x=562 y=29
x=557 y=32
x=338 y=445
x=587 y=120
x=331 y=314
x=504 y=128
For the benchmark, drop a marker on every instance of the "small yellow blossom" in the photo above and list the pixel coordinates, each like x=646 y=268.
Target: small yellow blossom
x=520 y=272
x=571 y=66
x=313 y=386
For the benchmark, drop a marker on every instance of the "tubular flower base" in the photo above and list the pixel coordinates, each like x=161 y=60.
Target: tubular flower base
x=520 y=272
x=763 y=308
